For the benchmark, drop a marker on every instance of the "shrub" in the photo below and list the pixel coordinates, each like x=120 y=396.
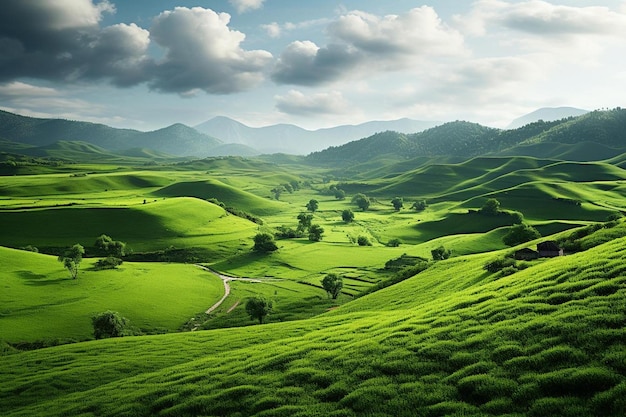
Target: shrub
x=499 y=264
x=363 y=241
x=264 y=242
x=110 y=262
x=109 y=324
x=394 y=243
x=440 y=253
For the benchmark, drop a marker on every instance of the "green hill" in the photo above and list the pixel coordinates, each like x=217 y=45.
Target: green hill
x=453 y=340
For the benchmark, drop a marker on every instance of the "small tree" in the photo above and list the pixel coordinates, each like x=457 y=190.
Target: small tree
x=397 y=203
x=419 y=205
x=340 y=194
x=362 y=201
x=333 y=284
x=347 y=216
x=110 y=262
x=315 y=233
x=109 y=324
x=304 y=221
x=363 y=241
x=71 y=259
x=258 y=308
x=312 y=205
x=107 y=246
x=491 y=207
x=264 y=242
x=277 y=191
x=520 y=233
x=440 y=253
x=394 y=243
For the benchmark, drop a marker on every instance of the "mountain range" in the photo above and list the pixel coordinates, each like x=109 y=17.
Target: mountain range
x=222 y=136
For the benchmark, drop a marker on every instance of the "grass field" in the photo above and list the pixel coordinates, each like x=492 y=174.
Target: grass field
x=541 y=338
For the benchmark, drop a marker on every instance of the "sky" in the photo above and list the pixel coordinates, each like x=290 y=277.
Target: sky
x=146 y=64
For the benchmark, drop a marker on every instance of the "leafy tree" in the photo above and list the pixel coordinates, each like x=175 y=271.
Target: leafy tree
x=397 y=203
x=394 y=243
x=71 y=259
x=277 y=191
x=312 y=205
x=104 y=244
x=340 y=194
x=347 y=216
x=288 y=188
x=109 y=324
x=304 y=221
x=295 y=185
x=333 y=284
x=491 y=207
x=520 y=233
x=363 y=241
x=440 y=253
x=264 y=242
x=362 y=201
x=419 y=205
x=258 y=308
x=315 y=233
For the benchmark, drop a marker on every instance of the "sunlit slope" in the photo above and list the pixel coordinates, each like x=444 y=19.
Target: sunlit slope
x=40 y=302
x=182 y=222
x=229 y=195
x=453 y=340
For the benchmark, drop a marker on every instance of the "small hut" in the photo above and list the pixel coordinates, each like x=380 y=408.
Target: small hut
x=526 y=254
x=549 y=249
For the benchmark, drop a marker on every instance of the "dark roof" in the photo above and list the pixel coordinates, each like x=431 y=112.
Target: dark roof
x=548 y=246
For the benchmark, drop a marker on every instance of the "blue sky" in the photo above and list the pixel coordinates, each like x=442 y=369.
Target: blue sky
x=146 y=64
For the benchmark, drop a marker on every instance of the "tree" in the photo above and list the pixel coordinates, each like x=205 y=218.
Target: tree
x=107 y=246
x=419 y=205
x=440 y=253
x=362 y=201
x=315 y=233
x=397 y=203
x=363 y=241
x=71 y=259
x=333 y=284
x=340 y=194
x=264 y=242
x=394 y=243
x=258 y=308
x=304 y=221
x=491 y=207
x=277 y=191
x=312 y=205
x=347 y=216
x=109 y=324
x=520 y=233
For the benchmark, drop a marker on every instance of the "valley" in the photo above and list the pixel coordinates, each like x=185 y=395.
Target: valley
x=424 y=323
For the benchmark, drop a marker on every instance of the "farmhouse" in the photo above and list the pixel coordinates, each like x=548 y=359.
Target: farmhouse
x=526 y=254
x=549 y=249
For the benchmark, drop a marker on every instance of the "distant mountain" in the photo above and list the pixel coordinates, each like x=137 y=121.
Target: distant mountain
x=291 y=139
x=547 y=114
x=178 y=139
x=596 y=135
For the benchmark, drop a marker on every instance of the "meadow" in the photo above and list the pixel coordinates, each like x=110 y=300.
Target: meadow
x=543 y=338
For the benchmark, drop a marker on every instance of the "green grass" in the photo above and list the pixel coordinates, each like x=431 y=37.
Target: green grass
x=40 y=302
x=453 y=339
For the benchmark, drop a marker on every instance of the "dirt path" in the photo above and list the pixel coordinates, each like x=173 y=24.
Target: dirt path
x=225 y=279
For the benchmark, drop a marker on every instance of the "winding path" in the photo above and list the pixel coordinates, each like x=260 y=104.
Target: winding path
x=225 y=279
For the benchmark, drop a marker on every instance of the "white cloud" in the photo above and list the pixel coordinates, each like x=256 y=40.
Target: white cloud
x=362 y=43
x=273 y=29
x=203 y=52
x=296 y=102
x=243 y=6
x=20 y=89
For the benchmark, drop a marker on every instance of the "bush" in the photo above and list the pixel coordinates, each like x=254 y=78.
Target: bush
x=394 y=243
x=520 y=233
x=109 y=324
x=499 y=264
x=440 y=253
x=110 y=262
x=363 y=241
x=264 y=242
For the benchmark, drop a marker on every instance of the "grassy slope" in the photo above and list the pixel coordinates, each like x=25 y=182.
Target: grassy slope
x=182 y=222
x=548 y=340
x=40 y=302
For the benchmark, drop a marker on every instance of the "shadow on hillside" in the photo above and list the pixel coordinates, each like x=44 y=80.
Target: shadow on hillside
x=38 y=279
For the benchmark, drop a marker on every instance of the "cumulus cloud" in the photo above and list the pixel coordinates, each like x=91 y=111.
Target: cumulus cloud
x=63 y=41
x=243 y=6
x=203 y=52
x=362 y=41
x=296 y=102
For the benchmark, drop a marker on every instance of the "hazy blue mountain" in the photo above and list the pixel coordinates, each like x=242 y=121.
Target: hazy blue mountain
x=291 y=139
x=547 y=114
x=178 y=139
